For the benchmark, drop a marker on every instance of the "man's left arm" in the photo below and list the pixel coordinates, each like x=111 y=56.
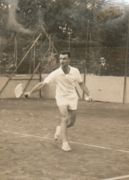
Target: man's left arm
x=82 y=85
x=85 y=90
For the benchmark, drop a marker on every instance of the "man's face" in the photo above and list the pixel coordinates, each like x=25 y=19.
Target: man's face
x=102 y=60
x=64 y=60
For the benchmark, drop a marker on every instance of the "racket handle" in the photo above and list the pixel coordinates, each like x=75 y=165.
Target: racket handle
x=26 y=95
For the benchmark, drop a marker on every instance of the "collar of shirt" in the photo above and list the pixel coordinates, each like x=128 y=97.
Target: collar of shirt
x=61 y=71
x=103 y=64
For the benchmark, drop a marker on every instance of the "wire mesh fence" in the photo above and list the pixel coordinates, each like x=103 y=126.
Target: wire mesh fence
x=86 y=59
x=115 y=59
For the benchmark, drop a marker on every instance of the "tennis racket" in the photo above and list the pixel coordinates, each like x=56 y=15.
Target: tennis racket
x=18 y=91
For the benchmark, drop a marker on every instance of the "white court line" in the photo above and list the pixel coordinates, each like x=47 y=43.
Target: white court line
x=90 y=145
x=27 y=135
x=116 y=178
x=46 y=137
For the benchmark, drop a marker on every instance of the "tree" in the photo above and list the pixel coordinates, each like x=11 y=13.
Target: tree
x=25 y=17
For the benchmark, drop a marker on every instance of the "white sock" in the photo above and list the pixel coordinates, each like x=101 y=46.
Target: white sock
x=65 y=144
x=58 y=129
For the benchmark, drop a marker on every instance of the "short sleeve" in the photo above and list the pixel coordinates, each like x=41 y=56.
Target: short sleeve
x=78 y=77
x=50 y=77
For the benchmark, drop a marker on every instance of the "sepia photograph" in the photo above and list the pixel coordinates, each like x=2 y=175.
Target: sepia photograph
x=64 y=89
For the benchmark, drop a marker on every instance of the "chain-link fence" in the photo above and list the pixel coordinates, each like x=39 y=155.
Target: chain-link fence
x=115 y=61
x=87 y=60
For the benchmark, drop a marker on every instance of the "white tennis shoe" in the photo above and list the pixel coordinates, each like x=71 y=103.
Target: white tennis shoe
x=57 y=134
x=66 y=147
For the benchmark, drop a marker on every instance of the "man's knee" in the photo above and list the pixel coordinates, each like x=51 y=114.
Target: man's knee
x=64 y=119
x=71 y=121
x=70 y=124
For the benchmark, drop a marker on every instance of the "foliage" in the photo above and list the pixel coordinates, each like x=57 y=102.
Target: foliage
x=95 y=22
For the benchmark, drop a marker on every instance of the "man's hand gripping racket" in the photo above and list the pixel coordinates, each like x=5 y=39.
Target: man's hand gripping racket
x=18 y=91
x=27 y=94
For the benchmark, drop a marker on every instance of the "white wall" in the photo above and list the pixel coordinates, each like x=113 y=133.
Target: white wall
x=102 y=88
x=106 y=88
x=8 y=92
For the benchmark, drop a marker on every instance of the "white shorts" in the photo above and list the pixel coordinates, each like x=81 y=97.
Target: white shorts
x=70 y=101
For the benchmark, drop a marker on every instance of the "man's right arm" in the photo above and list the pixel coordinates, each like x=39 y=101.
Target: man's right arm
x=39 y=86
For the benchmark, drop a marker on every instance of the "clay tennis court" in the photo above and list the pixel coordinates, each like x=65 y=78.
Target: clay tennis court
x=99 y=141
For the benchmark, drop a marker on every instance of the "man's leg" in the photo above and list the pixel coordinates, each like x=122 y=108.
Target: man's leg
x=70 y=123
x=64 y=114
x=64 y=122
x=71 y=114
x=71 y=118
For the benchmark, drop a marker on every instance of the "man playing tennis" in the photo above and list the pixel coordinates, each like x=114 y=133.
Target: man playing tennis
x=65 y=78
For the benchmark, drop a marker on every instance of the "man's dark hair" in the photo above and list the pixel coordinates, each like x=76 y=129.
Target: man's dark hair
x=66 y=52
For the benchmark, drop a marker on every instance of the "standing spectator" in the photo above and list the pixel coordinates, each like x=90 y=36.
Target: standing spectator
x=103 y=68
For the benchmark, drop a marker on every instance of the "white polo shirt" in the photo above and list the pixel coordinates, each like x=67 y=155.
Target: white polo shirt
x=65 y=83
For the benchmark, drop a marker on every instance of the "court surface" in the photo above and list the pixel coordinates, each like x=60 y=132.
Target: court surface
x=99 y=141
